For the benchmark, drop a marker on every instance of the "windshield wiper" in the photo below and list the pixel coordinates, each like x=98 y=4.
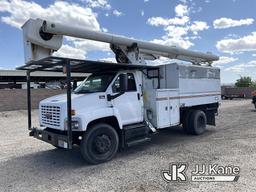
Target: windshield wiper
x=85 y=91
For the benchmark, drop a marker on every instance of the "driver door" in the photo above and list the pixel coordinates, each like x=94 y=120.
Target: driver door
x=129 y=104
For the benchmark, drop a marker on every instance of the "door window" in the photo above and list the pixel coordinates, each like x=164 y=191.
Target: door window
x=131 y=84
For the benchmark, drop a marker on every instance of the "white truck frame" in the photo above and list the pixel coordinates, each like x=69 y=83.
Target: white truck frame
x=119 y=105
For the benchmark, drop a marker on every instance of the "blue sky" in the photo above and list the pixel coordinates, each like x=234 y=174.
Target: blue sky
x=224 y=27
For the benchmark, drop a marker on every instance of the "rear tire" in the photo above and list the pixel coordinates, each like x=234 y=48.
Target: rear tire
x=99 y=143
x=197 y=122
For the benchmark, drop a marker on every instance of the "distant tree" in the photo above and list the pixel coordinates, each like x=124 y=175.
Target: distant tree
x=244 y=81
x=253 y=84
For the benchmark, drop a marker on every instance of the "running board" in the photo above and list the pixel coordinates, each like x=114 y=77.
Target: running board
x=138 y=141
x=135 y=134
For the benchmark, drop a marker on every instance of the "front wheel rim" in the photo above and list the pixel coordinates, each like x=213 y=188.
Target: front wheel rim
x=102 y=144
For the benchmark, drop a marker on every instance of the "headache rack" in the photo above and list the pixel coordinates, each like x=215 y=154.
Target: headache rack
x=68 y=66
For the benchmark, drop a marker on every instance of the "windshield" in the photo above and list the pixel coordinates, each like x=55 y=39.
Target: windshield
x=95 y=83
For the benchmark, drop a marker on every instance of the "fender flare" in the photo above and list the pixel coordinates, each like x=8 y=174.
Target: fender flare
x=99 y=114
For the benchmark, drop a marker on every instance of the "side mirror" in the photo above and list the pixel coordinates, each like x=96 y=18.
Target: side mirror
x=123 y=82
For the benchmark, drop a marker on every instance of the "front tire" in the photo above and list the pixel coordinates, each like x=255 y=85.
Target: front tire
x=99 y=143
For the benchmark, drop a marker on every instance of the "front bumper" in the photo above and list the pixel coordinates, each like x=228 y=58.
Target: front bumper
x=56 y=139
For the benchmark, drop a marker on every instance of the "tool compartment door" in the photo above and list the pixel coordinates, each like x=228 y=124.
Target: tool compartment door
x=174 y=109
x=162 y=108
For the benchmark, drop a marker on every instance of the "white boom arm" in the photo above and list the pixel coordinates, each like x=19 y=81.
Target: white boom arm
x=126 y=49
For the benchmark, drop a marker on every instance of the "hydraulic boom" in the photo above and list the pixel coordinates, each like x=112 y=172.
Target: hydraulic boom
x=44 y=37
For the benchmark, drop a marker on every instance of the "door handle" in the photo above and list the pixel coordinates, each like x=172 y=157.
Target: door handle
x=138 y=95
x=111 y=97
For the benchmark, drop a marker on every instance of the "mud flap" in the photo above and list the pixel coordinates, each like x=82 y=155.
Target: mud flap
x=210 y=114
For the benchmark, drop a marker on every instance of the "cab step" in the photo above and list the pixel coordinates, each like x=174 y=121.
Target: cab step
x=138 y=141
x=135 y=134
x=134 y=126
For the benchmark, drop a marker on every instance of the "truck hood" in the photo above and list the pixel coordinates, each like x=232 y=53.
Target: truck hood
x=60 y=98
x=79 y=101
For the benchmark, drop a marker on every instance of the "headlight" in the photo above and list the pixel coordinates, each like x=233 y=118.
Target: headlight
x=75 y=125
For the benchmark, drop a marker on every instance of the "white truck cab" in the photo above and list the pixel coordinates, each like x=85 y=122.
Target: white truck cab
x=90 y=101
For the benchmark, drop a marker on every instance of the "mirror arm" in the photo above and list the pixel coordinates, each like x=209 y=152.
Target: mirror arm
x=111 y=97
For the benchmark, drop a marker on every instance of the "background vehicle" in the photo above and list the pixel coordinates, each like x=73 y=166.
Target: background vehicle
x=232 y=92
x=119 y=105
x=254 y=98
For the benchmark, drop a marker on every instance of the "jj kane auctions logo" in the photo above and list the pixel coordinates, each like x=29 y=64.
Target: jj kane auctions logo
x=201 y=173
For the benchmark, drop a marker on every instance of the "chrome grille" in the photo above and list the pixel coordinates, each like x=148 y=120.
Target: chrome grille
x=50 y=115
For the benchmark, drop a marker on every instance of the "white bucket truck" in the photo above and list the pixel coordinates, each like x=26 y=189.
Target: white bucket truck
x=119 y=105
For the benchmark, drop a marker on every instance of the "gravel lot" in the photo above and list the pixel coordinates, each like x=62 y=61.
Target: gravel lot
x=27 y=164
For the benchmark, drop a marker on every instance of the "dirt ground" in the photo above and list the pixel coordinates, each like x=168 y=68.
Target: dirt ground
x=27 y=164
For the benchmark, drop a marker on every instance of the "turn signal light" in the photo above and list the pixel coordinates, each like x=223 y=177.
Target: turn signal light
x=73 y=112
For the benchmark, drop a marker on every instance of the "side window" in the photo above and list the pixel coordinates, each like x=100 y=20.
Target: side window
x=131 y=83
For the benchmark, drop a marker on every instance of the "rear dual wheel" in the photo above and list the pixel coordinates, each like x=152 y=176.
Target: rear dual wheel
x=194 y=122
x=99 y=143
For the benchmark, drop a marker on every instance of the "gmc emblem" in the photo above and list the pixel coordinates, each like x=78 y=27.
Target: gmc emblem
x=48 y=116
